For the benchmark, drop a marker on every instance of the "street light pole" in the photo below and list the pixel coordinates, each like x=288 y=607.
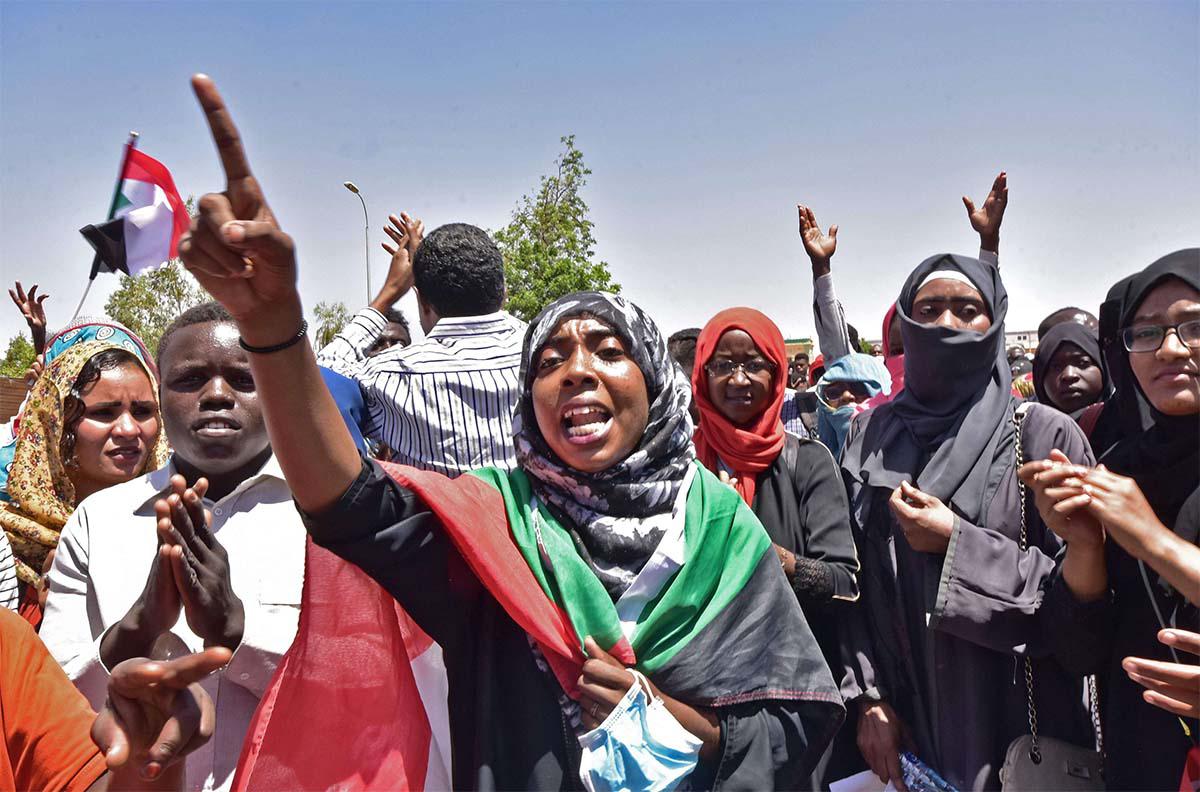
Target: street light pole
x=352 y=187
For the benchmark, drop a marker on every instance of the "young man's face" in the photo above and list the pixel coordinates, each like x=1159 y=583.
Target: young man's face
x=209 y=404
x=799 y=373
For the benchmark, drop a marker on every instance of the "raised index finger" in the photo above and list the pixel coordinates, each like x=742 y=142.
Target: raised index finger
x=224 y=131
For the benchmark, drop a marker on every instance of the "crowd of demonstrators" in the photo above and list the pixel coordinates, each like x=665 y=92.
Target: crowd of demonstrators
x=685 y=562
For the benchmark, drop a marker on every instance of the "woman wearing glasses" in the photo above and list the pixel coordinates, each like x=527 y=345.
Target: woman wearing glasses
x=791 y=484
x=1131 y=579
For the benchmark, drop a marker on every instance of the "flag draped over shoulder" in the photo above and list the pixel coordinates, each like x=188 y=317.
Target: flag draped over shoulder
x=709 y=635
x=147 y=221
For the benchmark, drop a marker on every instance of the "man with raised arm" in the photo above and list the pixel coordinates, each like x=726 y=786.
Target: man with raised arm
x=444 y=403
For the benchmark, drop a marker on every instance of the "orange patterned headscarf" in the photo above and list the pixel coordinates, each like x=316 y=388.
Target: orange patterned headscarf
x=43 y=496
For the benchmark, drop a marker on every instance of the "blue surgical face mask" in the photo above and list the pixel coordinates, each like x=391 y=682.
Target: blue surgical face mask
x=639 y=745
x=833 y=426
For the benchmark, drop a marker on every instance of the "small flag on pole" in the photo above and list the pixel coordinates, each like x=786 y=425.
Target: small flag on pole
x=146 y=221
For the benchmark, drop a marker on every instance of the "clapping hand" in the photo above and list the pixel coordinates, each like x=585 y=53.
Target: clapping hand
x=1060 y=498
x=155 y=714
x=986 y=219
x=819 y=247
x=405 y=234
x=235 y=246
x=200 y=566
x=30 y=306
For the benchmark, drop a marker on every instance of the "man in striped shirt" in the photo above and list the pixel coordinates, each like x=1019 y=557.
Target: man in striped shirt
x=444 y=403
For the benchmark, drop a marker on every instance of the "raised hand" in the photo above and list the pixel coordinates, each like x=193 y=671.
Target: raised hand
x=926 y=521
x=30 y=306
x=156 y=714
x=819 y=247
x=200 y=566
x=406 y=234
x=986 y=219
x=235 y=247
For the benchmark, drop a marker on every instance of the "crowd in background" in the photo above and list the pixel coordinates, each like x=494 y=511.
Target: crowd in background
x=939 y=561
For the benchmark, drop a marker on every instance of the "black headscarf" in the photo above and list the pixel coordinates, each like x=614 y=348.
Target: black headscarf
x=1164 y=460
x=949 y=428
x=604 y=511
x=1082 y=337
x=1125 y=412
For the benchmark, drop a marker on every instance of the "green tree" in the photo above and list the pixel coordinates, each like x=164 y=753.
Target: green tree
x=148 y=303
x=331 y=318
x=18 y=358
x=548 y=245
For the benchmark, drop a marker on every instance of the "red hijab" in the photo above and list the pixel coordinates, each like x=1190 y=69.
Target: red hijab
x=748 y=450
x=894 y=363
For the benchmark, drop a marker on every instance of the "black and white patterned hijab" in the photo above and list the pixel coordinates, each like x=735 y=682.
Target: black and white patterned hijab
x=615 y=515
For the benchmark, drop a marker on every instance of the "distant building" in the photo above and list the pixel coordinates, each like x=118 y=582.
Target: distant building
x=794 y=345
x=1024 y=338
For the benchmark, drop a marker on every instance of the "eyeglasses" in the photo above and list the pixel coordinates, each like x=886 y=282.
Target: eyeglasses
x=1148 y=338
x=723 y=368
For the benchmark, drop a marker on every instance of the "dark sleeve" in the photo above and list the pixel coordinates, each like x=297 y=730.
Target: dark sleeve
x=765 y=746
x=991 y=591
x=829 y=569
x=389 y=533
x=861 y=674
x=1078 y=634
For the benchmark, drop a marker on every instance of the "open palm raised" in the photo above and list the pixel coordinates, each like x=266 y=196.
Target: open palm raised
x=987 y=218
x=816 y=244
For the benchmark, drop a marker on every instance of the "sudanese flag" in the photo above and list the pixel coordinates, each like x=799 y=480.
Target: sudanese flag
x=352 y=676
x=148 y=219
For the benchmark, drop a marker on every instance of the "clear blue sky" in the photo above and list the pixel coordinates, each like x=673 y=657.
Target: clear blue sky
x=704 y=124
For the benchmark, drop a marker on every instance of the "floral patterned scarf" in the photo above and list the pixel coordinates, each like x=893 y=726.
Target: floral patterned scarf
x=43 y=496
x=606 y=512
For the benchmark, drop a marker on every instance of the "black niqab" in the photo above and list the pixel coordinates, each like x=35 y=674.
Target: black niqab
x=950 y=427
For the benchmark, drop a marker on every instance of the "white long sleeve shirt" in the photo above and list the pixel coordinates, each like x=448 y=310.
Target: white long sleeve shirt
x=100 y=570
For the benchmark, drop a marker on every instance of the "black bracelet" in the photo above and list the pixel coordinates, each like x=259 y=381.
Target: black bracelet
x=266 y=350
